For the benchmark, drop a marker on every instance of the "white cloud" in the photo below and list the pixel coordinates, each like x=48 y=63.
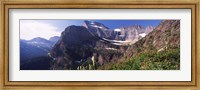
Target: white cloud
x=30 y=29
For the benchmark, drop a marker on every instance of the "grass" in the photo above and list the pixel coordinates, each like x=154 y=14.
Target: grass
x=152 y=60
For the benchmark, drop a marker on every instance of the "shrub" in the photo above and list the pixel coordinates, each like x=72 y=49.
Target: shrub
x=164 y=60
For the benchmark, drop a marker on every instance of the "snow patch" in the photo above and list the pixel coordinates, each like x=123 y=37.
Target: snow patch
x=116 y=42
x=92 y=23
x=117 y=30
x=96 y=26
x=111 y=49
x=143 y=34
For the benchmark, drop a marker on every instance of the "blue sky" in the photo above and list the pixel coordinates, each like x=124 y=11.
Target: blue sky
x=113 y=24
x=30 y=29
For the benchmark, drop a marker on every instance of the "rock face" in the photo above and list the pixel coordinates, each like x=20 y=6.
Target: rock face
x=132 y=33
x=166 y=35
x=75 y=43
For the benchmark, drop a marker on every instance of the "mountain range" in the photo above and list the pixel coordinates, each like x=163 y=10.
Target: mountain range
x=35 y=47
x=94 y=46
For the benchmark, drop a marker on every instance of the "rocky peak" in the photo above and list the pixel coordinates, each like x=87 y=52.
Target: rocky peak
x=92 y=24
x=97 y=29
x=38 y=39
x=75 y=34
x=41 y=42
x=54 y=38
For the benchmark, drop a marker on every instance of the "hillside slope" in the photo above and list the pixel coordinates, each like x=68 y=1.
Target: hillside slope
x=161 y=48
